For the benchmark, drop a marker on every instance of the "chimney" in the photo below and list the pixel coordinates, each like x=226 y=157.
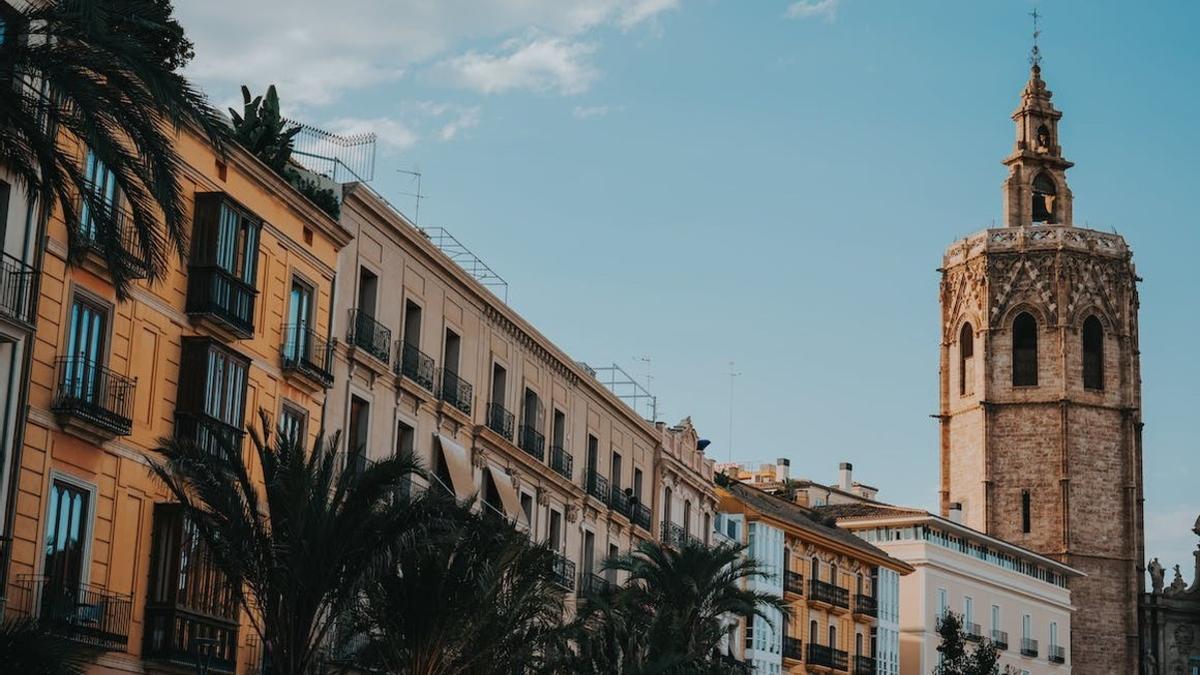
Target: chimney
x=845 y=472
x=955 y=512
x=783 y=469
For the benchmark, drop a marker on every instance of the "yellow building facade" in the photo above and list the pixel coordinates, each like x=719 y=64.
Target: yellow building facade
x=240 y=326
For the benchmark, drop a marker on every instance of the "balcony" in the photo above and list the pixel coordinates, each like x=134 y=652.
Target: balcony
x=455 y=390
x=563 y=572
x=532 y=442
x=92 y=401
x=793 y=583
x=640 y=515
x=825 y=593
x=619 y=500
x=820 y=656
x=1057 y=654
x=1000 y=639
x=1029 y=647
x=83 y=613
x=17 y=281
x=178 y=635
x=561 y=461
x=972 y=631
x=793 y=648
x=597 y=486
x=93 y=231
x=416 y=365
x=369 y=335
x=673 y=535
x=217 y=295
x=217 y=437
x=864 y=665
x=500 y=420
x=592 y=584
x=307 y=354
x=865 y=605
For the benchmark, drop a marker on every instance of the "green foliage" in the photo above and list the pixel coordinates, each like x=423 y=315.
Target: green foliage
x=324 y=198
x=262 y=130
x=956 y=658
x=152 y=23
x=26 y=648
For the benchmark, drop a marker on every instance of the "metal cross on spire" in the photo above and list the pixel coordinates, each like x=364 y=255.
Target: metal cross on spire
x=1035 y=54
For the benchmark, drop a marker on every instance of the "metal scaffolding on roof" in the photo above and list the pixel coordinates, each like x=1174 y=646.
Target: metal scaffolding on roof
x=343 y=158
x=626 y=388
x=464 y=258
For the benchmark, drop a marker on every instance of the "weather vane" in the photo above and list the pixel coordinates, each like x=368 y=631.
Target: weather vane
x=1035 y=54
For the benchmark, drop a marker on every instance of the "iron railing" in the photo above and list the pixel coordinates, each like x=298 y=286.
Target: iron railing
x=640 y=515
x=561 y=461
x=563 y=572
x=597 y=486
x=455 y=390
x=1000 y=639
x=828 y=657
x=216 y=293
x=793 y=582
x=867 y=606
x=179 y=635
x=93 y=233
x=17 y=281
x=369 y=335
x=591 y=583
x=1057 y=654
x=416 y=365
x=95 y=394
x=972 y=631
x=308 y=354
x=219 y=438
x=673 y=535
x=500 y=420
x=83 y=613
x=830 y=594
x=532 y=442
x=619 y=500
x=864 y=665
x=793 y=648
x=1029 y=647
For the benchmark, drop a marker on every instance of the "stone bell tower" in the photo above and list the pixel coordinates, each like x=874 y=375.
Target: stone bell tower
x=1041 y=391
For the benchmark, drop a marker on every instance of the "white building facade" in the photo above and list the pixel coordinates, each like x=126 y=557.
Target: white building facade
x=764 y=636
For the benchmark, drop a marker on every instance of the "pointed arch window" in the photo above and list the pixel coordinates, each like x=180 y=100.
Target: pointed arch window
x=1024 y=351
x=1093 y=354
x=966 y=361
x=1044 y=194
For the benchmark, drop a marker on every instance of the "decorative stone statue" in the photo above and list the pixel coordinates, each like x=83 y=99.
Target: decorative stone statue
x=1177 y=584
x=1156 y=576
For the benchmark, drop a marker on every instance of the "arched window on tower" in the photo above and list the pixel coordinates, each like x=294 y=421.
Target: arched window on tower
x=1024 y=351
x=1093 y=354
x=966 y=361
x=1044 y=194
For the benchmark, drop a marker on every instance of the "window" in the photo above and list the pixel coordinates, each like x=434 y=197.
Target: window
x=589 y=552
x=637 y=484
x=412 y=324
x=292 y=423
x=858 y=644
x=943 y=602
x=1053 y=635
x=554 y=538
x=593 y=454
x=615 y=471
x=212 y=395
x=833 y=643
x=102 y=188
x=1025 y=517
x=450 y=352
x=995 y=617
x=968 y=612
x=224 y=264
x=406 y=439
x=527 y=507
x=499 y=384
x=1026 y=627
x=816 y=568
x=297 y=343
x=1044 y=195
x=5 y=188
x=368 y=289
x=359 y=426
x=667 y=502
x=610 y=573
x=687 y=516
x=1025 y=351
x=533 y=417
x=966 y=361
x=65 y=545
x=833 y=573
x=83 y=363
x=813 y=632
x=1093 y=354
x=707 y=527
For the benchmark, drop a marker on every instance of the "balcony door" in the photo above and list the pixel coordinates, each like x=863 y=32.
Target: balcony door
x=102 y=187
x=65 y=547
x=86 y=336
x=300 y=303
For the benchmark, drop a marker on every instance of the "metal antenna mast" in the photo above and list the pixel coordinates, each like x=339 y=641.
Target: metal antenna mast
x=732 y=374
x=1035 y=54
x=649 y=377
x=418 y=195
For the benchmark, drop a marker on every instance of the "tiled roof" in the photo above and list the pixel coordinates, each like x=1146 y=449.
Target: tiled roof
x=866 y=510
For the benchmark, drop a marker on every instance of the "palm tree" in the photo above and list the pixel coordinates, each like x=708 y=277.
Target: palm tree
x=303 y=540
x=670 y=617
x=476 y=598
x=28 y=648
x=105 y=73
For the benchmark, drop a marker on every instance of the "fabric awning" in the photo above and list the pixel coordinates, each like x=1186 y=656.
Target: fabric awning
x=508 y=494
x=458 y=462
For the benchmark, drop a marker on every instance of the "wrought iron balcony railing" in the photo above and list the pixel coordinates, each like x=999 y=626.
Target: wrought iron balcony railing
x=218 y=438
x=97 y=221
x=828 y=657
x=673 y=535
x=561 y=461
x=308 y=354
x=178 y=635
x=416 y=365
x=17 y=281
x=564 y=572
x=864 y=665
x=619 y=501
x=639 y=513
x=369 y=335
x=1000 y=639
x=455 y=390
x=591 y=584
x=793 y=582
x=793 y=648
x=83 y=613
x=532 y=442
x=1057 y=654
x=1029 y=647
x=830 y=594
x=972 y=631
x=597 y=486
x=500 y=420
x=94 y=394
x=866 y=605
x=217 y=294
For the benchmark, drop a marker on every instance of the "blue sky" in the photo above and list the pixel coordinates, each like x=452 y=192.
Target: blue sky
x=770 y=183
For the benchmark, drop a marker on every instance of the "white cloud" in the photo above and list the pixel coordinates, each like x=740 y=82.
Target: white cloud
x=538 y=64
x=806 y=9
x=467 y=118
x=588 y=112
x=392 y=133
x=1169 y=538
x=644 y=10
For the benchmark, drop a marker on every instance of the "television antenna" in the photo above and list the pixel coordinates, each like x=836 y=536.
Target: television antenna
x=732 y=374
x=418 y=195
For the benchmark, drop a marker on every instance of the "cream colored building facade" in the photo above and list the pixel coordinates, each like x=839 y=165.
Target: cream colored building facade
x=431 y=361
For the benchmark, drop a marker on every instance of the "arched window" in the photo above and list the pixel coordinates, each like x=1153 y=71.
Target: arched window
x=812 y=632
x=966 y=361
x=833 y=573
x=666 y=505
x=1093 y=354
x=1043 y=139
x=816 y=568
x=833 y=637
x=858 y=644
x=787 y=558
x=687 y=516
x=1044 y=194
x=1024 y=351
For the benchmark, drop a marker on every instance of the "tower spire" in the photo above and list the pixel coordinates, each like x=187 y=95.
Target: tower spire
x=1035 y=54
